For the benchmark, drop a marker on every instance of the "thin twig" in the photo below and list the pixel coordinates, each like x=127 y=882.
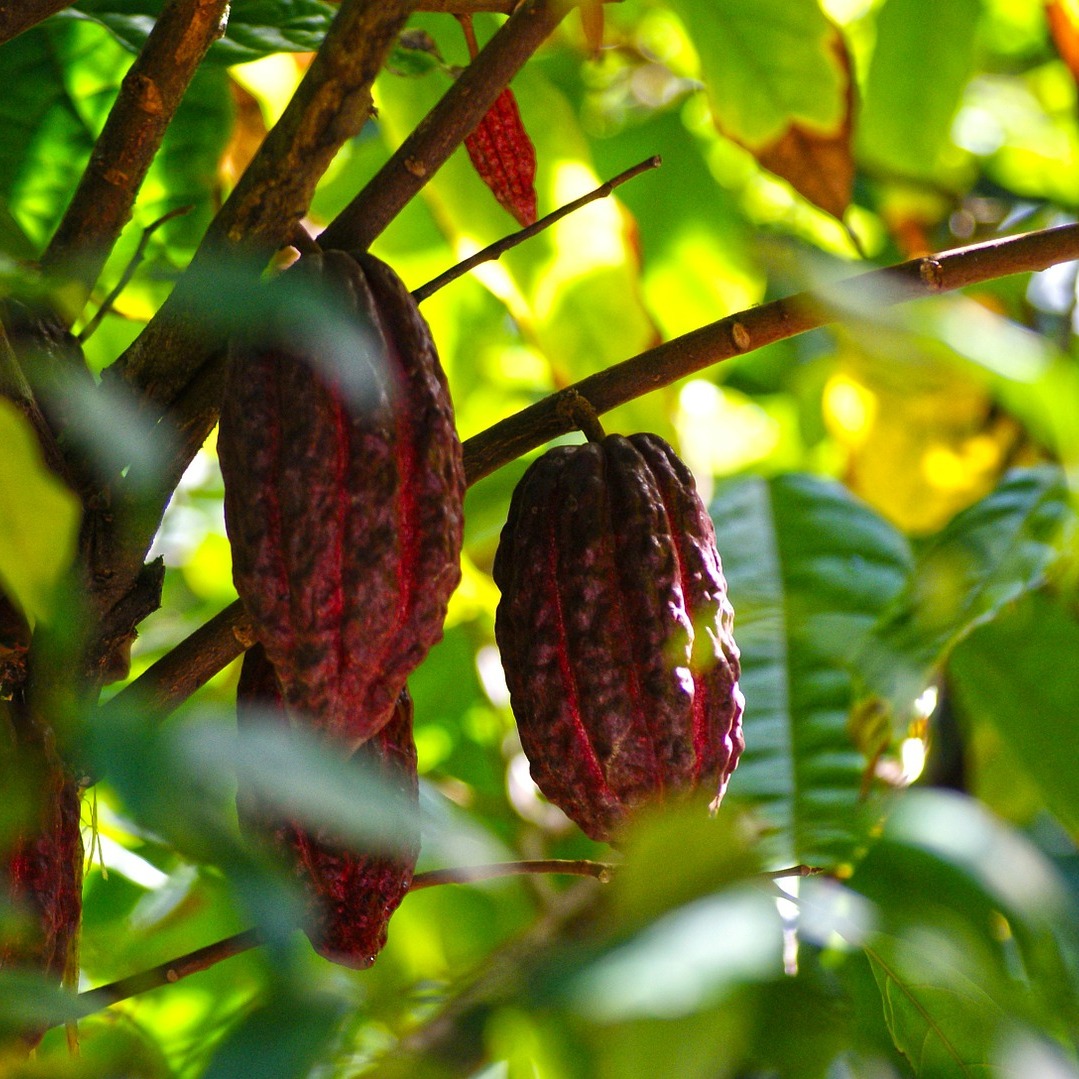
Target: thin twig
x=496 y=250
x=218 y=643
x=795 y=871
x=149 y=95
x=93 y=1000
x=470 y=874
x=445 y=127
x=129 y=271
x=167 y=973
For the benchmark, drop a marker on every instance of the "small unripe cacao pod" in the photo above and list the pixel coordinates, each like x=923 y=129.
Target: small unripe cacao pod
x=344 y=485
x=615 y=632
x=349 y=894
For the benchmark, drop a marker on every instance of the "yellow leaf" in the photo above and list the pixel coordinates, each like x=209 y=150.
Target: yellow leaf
x=39 y=519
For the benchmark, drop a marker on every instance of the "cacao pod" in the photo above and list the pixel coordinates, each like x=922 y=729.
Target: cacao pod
x=40 y=856
x=615 y=631
x=350 y=895
x=343 y=491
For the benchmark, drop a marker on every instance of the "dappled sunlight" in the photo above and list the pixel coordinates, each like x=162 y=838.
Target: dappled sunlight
x=938 y=421
x=721 y=431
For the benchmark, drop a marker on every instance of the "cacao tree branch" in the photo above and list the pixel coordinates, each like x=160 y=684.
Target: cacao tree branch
x=477 y=7
x=187 y=667
x=15 y=387
x=93 y=1000
x=173 y=970
x=129 y=272
x=19 y=15
x=759 y=326
x=265 y=208
x=795 y=871
x=468 y=7
x=149 y=96
x=470 y=874
x=445 y=127
x=164 y=685
x=495 y=251
x=330 y=106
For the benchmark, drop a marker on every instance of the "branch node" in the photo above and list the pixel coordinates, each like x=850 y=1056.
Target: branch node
x=932 y=274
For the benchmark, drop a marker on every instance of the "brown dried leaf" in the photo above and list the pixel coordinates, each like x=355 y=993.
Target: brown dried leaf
x=817 y=163
x=503 y=155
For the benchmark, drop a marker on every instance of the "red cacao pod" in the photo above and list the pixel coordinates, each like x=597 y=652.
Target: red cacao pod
x=350 y=894
x=505 y=158
x=616 y=632
x=343 y=491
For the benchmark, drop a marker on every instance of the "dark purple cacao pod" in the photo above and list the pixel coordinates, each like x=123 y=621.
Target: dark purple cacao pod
x=343 y=491
x=616 y=633
x=350 y=894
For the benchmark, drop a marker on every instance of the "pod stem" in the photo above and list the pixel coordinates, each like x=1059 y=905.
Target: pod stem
x=582 y=414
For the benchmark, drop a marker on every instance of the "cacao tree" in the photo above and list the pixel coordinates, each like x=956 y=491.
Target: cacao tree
x=264 y=806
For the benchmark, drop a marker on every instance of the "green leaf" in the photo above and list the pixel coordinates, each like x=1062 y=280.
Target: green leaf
x=765 y=64
x=940 y=1018
x=810 y=570
x=39 y=520
x=59 y=81
x=970 y=921
x=1010 y=674
x=906 y=117
x=985 y=557
x=255 y=28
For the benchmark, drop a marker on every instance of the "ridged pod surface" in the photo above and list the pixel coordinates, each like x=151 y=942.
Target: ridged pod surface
x=350 y=895
x=343 y=490
x=616 y=632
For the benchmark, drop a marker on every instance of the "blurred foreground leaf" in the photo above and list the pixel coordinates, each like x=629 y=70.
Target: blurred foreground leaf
x=39 y=519
x=1009 y=674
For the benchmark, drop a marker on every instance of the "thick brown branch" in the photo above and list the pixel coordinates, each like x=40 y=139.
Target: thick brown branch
x=217 y=643
x=167 y=683
x=468 y=7
x=148 y=99
x=444 y=128
x=477 y=7
x=330 y=106
x=19 y=15
x=764 y=325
